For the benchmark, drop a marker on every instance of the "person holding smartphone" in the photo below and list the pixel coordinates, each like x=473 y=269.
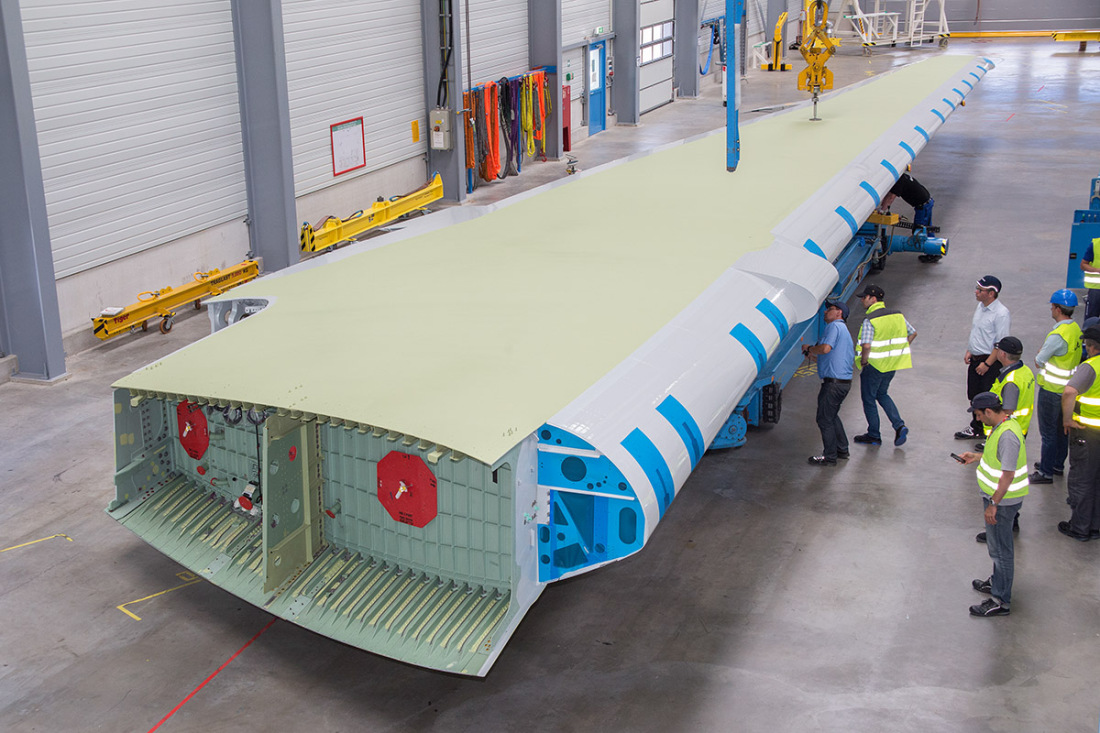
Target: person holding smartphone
x=1003 y=483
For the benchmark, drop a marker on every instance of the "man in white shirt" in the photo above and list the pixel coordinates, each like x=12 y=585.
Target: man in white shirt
x=991 y=323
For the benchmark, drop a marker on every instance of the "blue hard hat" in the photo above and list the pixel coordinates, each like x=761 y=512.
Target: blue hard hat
x=1064 y=297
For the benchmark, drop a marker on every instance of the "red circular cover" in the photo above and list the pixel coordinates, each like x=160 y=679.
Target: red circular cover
x=192 y=425
x=407 y=488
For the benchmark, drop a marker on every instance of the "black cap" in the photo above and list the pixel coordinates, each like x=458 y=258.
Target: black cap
x=1092 y=333
x=1010 y=345
x=984 y=401
x=989 y=282
x=872 y=290
x=837 y=304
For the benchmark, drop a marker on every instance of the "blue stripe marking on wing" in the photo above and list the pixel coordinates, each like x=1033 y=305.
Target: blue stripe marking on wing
x=774 y=315
x=871 y=191
x=752 y=344
x=949 y=102
x=940 y=115
x=848 y=218
x=684 y=424
x=643 y=451
x=892 y=169
x=923 y=134
x=905 y=146
x=968 y=84
x=811 y=246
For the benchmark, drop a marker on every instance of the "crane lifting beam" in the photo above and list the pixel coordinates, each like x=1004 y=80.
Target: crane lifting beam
x=332 y=230
x=163 y=303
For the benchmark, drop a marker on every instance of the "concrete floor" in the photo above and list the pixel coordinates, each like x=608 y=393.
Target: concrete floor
x=774 y=595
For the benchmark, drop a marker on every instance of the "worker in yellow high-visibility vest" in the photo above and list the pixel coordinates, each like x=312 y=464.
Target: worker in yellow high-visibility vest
x=1015 y=387
x=1092 y=281
x=1002 y=480
x=884 y=340
x=1058 y=357
x=1081 y=411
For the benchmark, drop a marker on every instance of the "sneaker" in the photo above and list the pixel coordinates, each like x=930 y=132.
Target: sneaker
x=842 y=454
x=1065 y=529
x=967 y=434
x=900 y=436
x=983 y=586
x=1094 y=534
x=979 y=446
x=1055 y=471
x=1040 y=478
x=989 y=607
x=821 y=461
x=866 y=439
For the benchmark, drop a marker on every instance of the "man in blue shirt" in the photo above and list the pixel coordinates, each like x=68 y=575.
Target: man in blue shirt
x=835 y=354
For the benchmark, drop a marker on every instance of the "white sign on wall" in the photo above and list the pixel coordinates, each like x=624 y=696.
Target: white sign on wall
x=349 y=147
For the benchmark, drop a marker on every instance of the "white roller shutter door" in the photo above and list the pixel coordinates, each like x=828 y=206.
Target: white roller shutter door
x=496 y=39
x=655 y=78
x=138 y=123
x=347 y=59
x=581 y=18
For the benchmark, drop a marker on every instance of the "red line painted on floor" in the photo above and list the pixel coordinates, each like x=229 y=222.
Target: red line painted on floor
x=1010 y=117
x=216 y=672
x=1041 y=88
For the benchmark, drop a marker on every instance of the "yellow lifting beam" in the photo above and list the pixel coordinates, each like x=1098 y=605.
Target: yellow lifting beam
x=164 y=302
x=776 y=64
x=817 y=47
x=331 y=231
x=1083 y=37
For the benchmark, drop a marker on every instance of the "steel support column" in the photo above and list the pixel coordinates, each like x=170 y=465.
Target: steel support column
x=443 y=44
x=265 y=131
x=544 y=49
x=625 y=94
x=686 y=47
x=30 y=321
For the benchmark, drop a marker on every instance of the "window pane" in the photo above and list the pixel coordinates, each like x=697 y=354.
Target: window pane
x=647 y=35
x=667 y=31
x=647 y=54
x=667 y=49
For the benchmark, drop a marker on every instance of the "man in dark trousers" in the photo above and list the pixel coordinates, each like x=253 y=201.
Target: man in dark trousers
x=834 y=365
x=909 y=190
x=1081 y=416
x=990 y=324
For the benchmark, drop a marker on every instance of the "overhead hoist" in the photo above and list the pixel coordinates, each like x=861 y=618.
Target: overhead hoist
x=816 y=48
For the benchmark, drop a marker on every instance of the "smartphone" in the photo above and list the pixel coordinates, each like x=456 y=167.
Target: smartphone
x=958 y=458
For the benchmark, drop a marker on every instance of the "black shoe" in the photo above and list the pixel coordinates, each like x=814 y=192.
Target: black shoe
x=967 y=434
x=980 y=537
x=900 y=435
x=1094 y=534
x=1065 y=529
x=866 y=439
x=989 y=607
x=1016 y=523
x=1040 y=478
x=983 y=586
x=842 y=454
x=821 y=461
x=979 y=446
x=1055 y=471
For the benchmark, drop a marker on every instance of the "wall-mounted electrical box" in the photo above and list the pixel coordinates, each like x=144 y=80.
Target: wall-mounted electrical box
x=439 y=122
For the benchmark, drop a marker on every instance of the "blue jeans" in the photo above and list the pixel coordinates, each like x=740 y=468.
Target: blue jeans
x=872 y=388
x=922 y=215
x=1055 y=441
x=998 y=540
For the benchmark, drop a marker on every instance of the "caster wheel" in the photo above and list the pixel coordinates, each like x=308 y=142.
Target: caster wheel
x=145 y=325
x=198 y=305
x=165 y=325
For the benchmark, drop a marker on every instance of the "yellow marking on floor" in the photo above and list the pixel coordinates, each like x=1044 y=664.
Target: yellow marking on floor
x=187 y=576
x=806 y=370
x=25 y=544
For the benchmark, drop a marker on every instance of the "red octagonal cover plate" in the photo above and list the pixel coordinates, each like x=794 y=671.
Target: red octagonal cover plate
x=192 y=426
x=406 y=487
